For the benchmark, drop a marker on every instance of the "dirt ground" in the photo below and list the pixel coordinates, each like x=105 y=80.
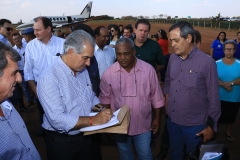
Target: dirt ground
x=108 y=146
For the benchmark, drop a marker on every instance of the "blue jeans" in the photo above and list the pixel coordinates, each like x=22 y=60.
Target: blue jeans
x=25 y=88
x=179 y=136
x=141 y=144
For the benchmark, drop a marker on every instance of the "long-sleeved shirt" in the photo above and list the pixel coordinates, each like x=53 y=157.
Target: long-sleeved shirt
x=192 y=88
x=105 y=58
x=139 y=90
x=21 y=52
x=3 y=39
x=64 y=97
x=15 y=141
x=39 y=55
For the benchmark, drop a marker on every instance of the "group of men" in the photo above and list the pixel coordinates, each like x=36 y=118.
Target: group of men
x=66 y=75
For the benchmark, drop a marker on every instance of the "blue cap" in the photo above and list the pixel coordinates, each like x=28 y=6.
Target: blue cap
x=28 y=31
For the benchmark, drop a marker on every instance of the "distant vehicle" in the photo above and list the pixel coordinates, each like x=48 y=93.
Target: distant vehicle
x=63 y=21
x=226 y=19
x=232 y=19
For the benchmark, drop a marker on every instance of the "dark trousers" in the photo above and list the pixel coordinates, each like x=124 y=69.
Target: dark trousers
x=165 y=140
x=66 y=147
x=41 y=112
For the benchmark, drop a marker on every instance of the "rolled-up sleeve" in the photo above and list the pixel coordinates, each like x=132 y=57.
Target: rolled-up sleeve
x=105 y=95
x=157 y=99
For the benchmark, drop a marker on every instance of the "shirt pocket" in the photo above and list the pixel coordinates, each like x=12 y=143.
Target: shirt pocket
x=191 y=79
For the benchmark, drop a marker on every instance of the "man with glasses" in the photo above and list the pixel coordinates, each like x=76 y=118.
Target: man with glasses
x=5 y=31
x=133 y=82
x=104 y=54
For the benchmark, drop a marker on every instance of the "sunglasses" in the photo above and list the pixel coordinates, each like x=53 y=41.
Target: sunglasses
x=8 y=28
x=112 y=30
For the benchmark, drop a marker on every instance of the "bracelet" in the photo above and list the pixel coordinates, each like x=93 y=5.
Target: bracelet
x=90 y=121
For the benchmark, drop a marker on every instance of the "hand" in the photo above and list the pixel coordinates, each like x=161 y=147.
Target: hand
x=102 y=117
x=155 y=126
x=227 y=86
x=207 y=134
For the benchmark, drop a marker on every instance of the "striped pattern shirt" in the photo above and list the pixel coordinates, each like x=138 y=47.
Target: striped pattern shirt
x=192 y=88
x=39 y=55
x=64 y=97
x=21 y=52
x=15 y=140
x=105 y=58
x=145 y=93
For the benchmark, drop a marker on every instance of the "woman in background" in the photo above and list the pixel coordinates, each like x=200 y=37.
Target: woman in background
x=163 y=42
x=115 y=36
x=229 y=86
x=217 y=46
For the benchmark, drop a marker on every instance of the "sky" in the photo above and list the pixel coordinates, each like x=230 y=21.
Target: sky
x=14 y=10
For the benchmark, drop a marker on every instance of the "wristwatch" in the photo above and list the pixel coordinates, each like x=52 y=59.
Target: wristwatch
x=232 y=83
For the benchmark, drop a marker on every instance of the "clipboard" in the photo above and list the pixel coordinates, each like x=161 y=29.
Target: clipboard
x=121 y=127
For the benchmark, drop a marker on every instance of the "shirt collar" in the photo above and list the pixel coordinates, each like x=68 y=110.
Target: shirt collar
x=6 y=108
x=50 y=40
x=138 y=66
x=66 y=68
x=191 y=53
x=3 y=38
x=97 y=48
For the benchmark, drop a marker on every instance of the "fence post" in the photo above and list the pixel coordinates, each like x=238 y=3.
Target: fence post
x=198 y=23
x=193 y=24
x=229 y=25
x=211 y=24
x=204 y=24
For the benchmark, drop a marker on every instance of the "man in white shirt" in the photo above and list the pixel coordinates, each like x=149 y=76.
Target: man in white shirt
x=40 y=53
x=20 y=48
x=104 y=54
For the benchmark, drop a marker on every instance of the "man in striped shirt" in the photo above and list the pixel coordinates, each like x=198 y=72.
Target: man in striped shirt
x=66 y=94
x=41 y=53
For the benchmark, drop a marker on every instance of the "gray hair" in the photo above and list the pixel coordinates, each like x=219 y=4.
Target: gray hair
x=76 y=40
x=124 y=41
x=230 y=42
x=5 y=51
x=185 y=29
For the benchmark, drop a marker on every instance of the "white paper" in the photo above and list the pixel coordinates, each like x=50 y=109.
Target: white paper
x=212 y=156
x=112 y=122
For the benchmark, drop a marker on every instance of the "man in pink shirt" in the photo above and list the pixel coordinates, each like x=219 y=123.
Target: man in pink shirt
x=133 y=82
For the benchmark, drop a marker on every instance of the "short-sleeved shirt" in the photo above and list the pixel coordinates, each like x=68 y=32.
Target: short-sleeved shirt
x=151 y=53
x=164 y=45
x=217 y=47
x=229 y=73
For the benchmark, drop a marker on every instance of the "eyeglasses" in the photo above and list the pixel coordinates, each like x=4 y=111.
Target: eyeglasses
x=135 y=85
x=229 y=49
x=8 y=28
x=112 y=30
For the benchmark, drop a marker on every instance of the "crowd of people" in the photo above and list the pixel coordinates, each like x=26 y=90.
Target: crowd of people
x=106 y=68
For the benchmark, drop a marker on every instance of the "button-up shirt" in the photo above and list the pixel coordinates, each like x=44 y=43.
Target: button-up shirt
x=15 y=140
x=21 y=52
x=3 y=39
x=64 y=97
x=105 y=58
x=39 y=55
x=139 y=90
x=192 y=88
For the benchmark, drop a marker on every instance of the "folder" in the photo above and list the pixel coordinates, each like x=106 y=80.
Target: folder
x=121 y=127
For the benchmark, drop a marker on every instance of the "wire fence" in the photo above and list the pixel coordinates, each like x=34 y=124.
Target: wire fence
x=235 y=25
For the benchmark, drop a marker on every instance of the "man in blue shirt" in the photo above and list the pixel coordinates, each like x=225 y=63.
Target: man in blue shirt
x=15 y=140
x=237 y=40
x=5 y=30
